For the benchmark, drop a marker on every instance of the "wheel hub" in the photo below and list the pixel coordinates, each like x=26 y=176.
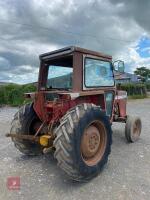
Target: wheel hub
x=93 y=143
x=136 y=129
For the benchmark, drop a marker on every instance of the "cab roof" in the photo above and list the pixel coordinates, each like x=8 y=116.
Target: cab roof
x=70 y=50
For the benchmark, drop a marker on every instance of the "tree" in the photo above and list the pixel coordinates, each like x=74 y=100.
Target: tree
x=143 y=72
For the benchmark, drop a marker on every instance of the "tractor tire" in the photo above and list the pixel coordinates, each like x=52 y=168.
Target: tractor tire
x=23 y=124
x=83 y=142
x=133 y=128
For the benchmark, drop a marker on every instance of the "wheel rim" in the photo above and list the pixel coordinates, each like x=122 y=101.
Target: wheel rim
x=136 y=129
x=93 y=143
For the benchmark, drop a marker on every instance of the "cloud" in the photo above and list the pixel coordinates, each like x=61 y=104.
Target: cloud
x=31 y=27
x=4 y=63
x=133 y=59
x=136 y=10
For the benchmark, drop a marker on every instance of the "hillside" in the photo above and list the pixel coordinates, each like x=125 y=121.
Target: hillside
x=5 y=83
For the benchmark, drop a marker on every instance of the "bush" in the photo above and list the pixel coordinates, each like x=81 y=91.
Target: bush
x=13 y=94
x=133 y=89
x=2 y=95
x=147 y=86
x=28 y=88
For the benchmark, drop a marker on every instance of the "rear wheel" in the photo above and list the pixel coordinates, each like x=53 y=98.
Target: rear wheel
x=83 y=142
x=133 y=128
x=26 y=122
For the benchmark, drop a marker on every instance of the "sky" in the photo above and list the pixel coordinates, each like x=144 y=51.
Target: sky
x=29 y=28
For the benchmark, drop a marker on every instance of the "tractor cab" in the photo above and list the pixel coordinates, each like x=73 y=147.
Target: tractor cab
x=72 y=75
x=75 y=69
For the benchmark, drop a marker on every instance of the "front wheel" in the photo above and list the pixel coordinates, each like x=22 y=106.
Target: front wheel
x=83 y=142
x=133 y=128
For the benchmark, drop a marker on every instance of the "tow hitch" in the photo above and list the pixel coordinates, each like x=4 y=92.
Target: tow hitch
x=45 y=140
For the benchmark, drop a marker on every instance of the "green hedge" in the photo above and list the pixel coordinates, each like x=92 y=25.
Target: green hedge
x=133 y=89
x=13 y=94
x=147 y=86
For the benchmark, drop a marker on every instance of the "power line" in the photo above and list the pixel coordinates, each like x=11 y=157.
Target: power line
x=64 y=31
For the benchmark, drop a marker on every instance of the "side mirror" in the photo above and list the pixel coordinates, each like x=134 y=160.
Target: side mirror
x=119 y=66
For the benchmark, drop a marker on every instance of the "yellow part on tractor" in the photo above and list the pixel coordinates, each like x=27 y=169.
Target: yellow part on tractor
x=44 y=140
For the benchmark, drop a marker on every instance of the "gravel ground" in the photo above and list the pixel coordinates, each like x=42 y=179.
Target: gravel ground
x=125 y=177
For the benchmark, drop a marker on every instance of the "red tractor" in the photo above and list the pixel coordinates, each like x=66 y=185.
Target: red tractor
x=73 y=110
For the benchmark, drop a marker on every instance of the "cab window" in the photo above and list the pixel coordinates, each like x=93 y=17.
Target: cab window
x=98 y=73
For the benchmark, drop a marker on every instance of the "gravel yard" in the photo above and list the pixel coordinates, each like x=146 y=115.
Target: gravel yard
x=125 y=177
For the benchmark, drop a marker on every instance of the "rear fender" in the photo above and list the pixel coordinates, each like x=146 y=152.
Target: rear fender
x=121 y=102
